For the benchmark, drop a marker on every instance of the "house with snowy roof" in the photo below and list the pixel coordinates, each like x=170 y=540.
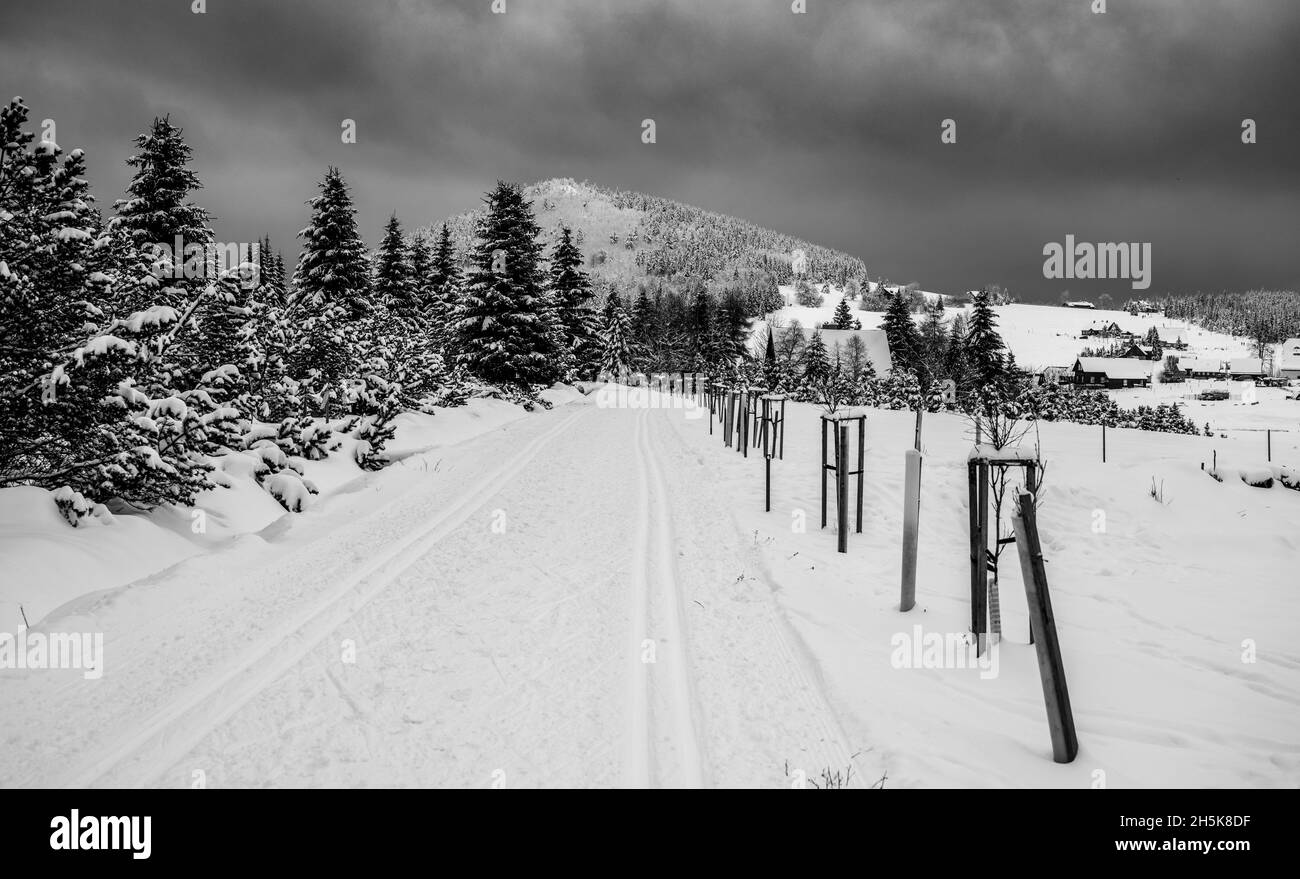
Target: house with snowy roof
x=1094 y=373
x=1288 y=358
x=1103 y=328
x=1173 y=337
x=1240 y=368
x=1201 y=367
x=875 y=343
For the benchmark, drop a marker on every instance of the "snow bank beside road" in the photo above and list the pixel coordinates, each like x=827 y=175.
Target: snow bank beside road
x=48 y=563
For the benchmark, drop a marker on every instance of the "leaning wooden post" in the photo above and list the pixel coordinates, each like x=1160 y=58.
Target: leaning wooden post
x=1051 y=670
x=911 y=525
x=842 y=484
x=1031 y=485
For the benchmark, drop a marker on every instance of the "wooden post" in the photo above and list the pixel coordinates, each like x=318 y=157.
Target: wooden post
x=1269 y=433
x=842 y=485
x=744 y=423
x=711 y=407
x=862 y=445
x=1031 y=485
x=1051 y=670
x=917 y=444
x=781 y=451
x=976 y=553
x=823 y=472
x=982 y=607
x=1103 y=444
x=911 y=526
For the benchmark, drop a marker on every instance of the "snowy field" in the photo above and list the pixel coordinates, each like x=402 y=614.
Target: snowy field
x=593 y=596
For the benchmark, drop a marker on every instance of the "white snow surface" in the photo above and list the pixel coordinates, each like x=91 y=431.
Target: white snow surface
x=595 y=597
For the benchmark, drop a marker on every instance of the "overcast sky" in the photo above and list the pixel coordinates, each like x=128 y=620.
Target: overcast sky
x=1117 y=127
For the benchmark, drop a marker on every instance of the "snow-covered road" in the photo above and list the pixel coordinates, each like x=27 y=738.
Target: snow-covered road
x=551 y=604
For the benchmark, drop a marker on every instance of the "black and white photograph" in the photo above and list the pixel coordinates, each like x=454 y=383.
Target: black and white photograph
x=645 y=394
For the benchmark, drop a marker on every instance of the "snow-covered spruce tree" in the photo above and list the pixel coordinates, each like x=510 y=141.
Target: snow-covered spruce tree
x=702 y=352
x=201 y=361
x=616 y=351
x=900 y=331
x=571 y=293
x=730 y=331
x=84 y=380
x=816 y=367
x=157 y=209
x=843 y=317
x=331 y=297
x=395 y=285
x=985 y=353
x=504 y=320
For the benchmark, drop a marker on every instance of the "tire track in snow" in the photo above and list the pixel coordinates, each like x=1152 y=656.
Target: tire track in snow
x=172 y=731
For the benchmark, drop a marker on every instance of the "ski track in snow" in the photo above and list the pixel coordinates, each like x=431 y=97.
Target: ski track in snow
x=182 y=724
x=483 y=656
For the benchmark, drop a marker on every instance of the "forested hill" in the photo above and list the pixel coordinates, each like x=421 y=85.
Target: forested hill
x=629 y=236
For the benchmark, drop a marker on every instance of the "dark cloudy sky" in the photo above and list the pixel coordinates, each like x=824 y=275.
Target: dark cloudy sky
x=1117 y=127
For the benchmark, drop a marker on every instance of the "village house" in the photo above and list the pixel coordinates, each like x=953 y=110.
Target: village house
x=875 y=343
x=1201 y=367
x=1173 y=337
x=1093 y=373
x=1138 y=351
x=1055 y=375
x=1104 y=329
x=1240 y=368
x=1288 y=359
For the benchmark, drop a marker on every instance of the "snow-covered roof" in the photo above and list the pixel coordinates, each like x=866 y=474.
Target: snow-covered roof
x=874 y=341
x=1079 y=303
x=1200 y=364
x=1173 y=334
x=1246 y=366
x=1116 y=367
x=1288 y=354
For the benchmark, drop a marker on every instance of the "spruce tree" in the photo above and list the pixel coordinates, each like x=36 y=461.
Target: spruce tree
x=843 y=317
x=394 y=282
x=816 y=362
x=571 y=293
x=419 y=257
x=984 y=348
x=331 y=298
x=900 y=331
x=504 y=322
x=616 y=352
x=156 y=209
x=333 y=271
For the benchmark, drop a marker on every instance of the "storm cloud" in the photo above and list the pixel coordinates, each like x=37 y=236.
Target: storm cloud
x=1120 y=127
